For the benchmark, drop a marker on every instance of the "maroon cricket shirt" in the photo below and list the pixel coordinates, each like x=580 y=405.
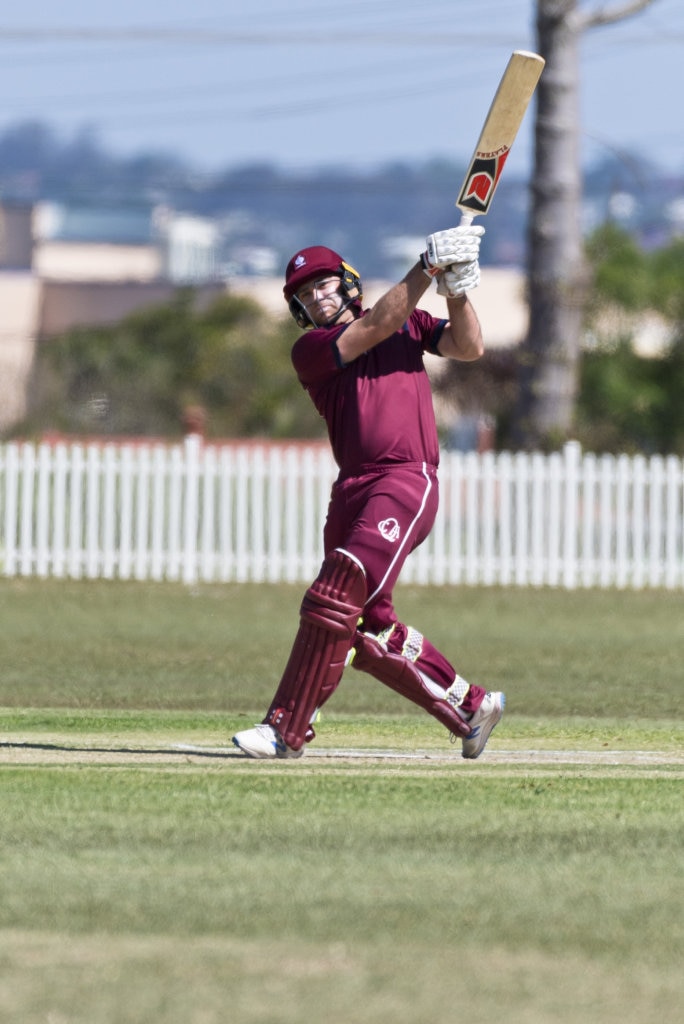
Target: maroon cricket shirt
x=378 y=408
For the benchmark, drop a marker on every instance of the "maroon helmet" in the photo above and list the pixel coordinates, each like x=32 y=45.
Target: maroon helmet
x=314 y=262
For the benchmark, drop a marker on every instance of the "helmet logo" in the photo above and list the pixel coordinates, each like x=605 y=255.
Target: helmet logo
x=389 y=528
x=300 y=261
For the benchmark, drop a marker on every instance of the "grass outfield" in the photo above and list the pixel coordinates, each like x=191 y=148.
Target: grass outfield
x=616 y=654
x=152 y=874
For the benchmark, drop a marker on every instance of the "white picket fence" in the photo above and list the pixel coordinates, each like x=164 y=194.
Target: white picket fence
x=218 y=513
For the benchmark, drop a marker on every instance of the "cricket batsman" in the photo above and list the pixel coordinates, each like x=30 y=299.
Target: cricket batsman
x=365 y=374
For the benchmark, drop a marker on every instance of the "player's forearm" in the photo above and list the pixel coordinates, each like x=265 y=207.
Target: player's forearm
x=391 y=311
x=388 y=315
x=462 y=338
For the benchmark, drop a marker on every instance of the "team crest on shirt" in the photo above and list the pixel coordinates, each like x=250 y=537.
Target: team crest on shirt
x=389 y=528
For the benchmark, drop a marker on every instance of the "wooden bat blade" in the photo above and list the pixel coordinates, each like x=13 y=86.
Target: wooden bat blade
x=500 y=128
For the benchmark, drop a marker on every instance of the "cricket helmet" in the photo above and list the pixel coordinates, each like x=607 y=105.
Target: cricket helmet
x=314 y=262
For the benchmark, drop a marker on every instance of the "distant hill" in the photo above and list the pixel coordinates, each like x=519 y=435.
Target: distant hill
x=377 y=218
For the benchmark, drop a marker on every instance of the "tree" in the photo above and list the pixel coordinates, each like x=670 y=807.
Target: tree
x=558 y=280
x=229 y=364
x=630 y=400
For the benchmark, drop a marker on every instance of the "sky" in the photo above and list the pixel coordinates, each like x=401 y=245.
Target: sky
x=306 y=84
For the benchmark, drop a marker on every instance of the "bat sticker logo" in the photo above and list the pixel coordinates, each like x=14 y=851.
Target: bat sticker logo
x=480 y=184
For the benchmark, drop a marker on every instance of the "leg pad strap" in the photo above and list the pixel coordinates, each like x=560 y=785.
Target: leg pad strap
x=401 y=675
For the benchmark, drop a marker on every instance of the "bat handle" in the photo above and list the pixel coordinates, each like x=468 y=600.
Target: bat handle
x=466 y=219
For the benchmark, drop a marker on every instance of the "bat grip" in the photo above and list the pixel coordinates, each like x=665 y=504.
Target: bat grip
x=466 y=219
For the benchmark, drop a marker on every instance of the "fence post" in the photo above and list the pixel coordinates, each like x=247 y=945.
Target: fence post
x=623 y=520
x=208 y=516
x=93 y=513
x=522 y=519
x=490 y=518
x=192 y=455
x=43 y=511
x=571 y=452
x=28 y=504
x=75 y=512
x=110 y=549
x=158 y=524
x=674 y=522
x=588 y=555
x=11 y=507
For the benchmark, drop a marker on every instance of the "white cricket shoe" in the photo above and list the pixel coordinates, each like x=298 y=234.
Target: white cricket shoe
x=483 y=721
x=264 y=741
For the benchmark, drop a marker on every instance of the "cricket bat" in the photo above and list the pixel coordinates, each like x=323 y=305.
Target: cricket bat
x=500 y=128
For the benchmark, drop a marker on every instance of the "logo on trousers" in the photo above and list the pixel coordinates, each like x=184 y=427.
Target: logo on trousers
x=389 y=528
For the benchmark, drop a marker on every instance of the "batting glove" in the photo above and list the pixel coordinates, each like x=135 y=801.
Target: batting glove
x=459 y=279
x=455 y=245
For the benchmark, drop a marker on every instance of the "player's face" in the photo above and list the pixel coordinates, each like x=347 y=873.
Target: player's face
x=322 y=299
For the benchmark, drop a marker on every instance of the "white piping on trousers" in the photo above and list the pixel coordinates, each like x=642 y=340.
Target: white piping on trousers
x=406 y=536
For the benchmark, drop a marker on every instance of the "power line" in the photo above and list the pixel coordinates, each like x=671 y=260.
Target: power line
x=222 y=37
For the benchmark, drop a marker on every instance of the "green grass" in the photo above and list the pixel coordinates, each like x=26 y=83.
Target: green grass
x=275 y=891
x=141 y=887
x=137 y=645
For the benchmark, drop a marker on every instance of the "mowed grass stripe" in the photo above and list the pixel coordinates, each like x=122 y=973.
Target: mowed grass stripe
x=395 y=884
